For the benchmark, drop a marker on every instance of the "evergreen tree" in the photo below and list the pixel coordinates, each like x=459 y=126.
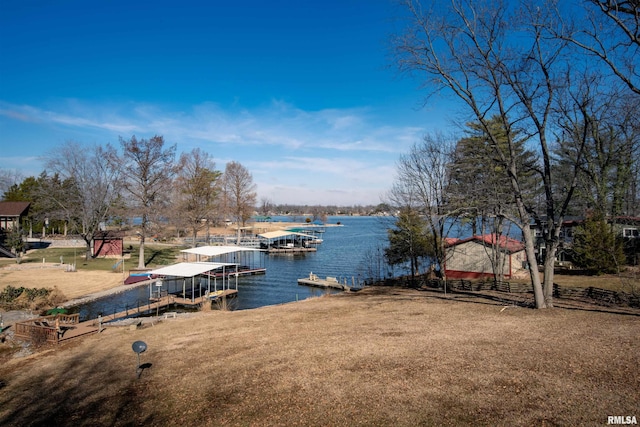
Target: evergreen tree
x=408 y=241
x=478 y=178
x=597 y=247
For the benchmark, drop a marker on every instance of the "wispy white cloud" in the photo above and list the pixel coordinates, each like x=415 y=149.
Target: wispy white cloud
x=345 y=154
x=277 y=124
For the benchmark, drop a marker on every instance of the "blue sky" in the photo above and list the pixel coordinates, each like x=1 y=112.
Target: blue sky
x=302 y=93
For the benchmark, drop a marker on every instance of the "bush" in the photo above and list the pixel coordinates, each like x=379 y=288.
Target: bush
x=20 y=298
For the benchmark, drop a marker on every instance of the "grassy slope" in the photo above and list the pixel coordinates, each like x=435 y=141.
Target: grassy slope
x=379 y=357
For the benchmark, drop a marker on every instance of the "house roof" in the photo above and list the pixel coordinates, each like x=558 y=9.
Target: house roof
x=503 y=242
x=14 y=208
x=108 y=234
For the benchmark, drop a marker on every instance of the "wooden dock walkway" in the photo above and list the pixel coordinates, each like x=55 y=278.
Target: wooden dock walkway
x=57 y=329
x=167 y=301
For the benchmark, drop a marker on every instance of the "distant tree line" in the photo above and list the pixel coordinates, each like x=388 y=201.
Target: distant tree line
x=321 y=212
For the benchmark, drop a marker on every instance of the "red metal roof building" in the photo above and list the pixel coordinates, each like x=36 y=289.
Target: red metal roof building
x=471 y=258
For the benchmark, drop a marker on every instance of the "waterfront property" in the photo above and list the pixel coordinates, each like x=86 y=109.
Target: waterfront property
x=54 y=329
x=311 y=229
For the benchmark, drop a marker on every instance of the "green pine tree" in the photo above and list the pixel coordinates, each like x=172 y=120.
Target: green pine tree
x=597 y=248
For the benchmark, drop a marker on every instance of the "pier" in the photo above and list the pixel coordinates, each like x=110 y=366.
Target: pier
x=56 y=329
x=328 y=282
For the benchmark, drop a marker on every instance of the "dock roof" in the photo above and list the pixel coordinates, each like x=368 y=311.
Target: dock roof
x=188 y=269
x=283 y=233
x=218 y=250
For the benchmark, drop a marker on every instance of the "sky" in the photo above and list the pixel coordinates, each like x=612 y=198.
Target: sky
x=304 y=94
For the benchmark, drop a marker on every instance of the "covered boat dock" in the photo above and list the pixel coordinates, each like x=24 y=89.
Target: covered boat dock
x=197 y=274
x=285 y=241
x=249 y=260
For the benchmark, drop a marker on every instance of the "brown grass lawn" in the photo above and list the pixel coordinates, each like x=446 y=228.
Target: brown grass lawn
x=383 y=356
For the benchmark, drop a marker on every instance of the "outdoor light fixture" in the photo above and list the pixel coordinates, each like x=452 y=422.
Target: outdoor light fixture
x=139 y=347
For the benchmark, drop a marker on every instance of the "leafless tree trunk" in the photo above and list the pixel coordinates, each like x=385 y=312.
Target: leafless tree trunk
x=265 y=206
x=93 y=186
x=240 y=193
x=196 y=189
x=148 y=169
x=497 y=58
x=421 y=185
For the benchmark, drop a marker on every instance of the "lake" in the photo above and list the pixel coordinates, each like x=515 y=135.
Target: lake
x=352 y=250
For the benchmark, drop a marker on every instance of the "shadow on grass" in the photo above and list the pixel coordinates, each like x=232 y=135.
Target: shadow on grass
x=79 y=391
x=513 y=300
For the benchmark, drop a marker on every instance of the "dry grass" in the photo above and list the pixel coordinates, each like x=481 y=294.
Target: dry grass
x=72 y=285
x=378 y=357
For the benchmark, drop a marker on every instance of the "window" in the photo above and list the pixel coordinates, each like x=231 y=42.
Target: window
x=630 y=232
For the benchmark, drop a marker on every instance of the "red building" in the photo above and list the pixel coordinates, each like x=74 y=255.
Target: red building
x=108 y=244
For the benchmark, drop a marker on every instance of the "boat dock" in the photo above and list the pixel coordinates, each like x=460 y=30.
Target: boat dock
x=290 y=250
x=61 y=328
x=328 y=282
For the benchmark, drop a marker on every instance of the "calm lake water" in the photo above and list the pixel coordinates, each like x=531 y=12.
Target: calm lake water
x=349 y=250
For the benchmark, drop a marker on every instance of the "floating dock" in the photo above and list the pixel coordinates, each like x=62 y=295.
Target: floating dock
x=328 y=282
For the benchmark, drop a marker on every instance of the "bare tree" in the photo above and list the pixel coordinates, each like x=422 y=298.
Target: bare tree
x=265 y=206
x=239 y=193
x=421 y=186
x=8 y=178
x=610 y=31
x=499 y=59
x=479 y=185
x=196 y=189
x=608 y=123
x=148 y=168
x=87 y=190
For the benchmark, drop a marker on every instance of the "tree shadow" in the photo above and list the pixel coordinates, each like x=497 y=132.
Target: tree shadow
x=77 y=390
x=479 y=297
